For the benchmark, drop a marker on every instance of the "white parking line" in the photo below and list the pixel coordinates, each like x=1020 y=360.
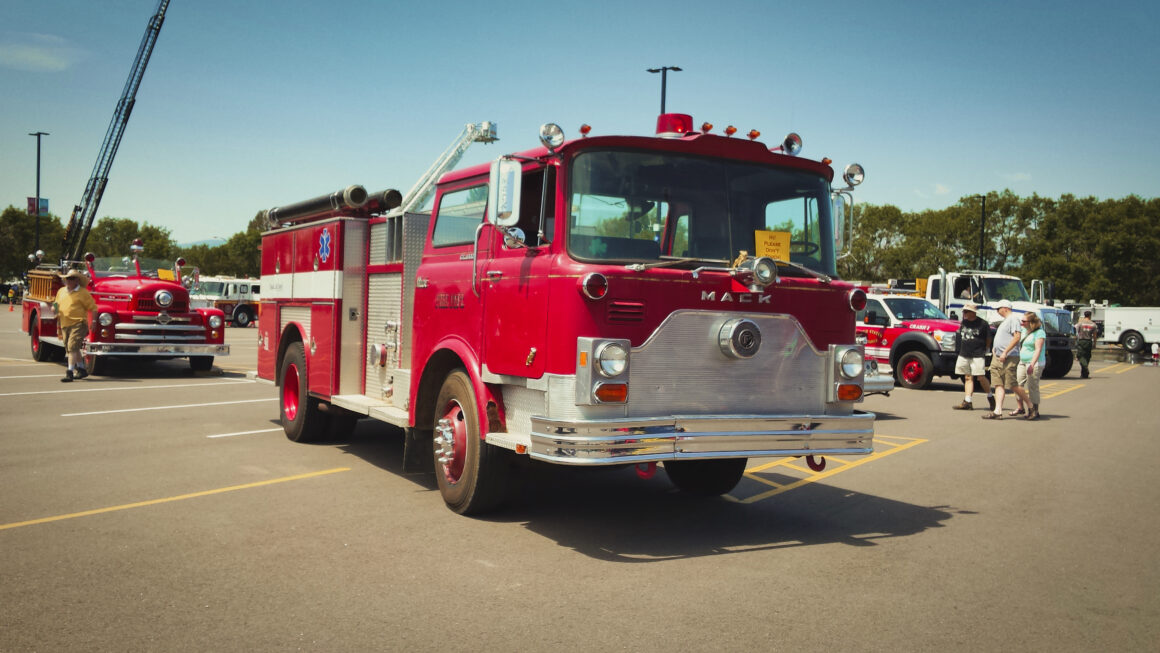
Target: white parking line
x=137 y=410
x=31 y=376
x=73 y=388
x=230 y=435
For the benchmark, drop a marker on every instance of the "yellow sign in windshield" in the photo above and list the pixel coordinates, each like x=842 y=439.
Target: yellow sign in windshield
x=774 y=244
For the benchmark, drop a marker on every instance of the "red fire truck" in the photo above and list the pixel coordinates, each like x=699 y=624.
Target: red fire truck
x=142 y=312
x=598 y=301
x=909 y=334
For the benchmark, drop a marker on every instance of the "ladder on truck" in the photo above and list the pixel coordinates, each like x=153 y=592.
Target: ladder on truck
x=83 y=214
x=483 y=132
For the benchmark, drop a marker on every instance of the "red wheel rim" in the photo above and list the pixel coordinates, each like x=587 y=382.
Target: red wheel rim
x=912 y=371
x=35 y=336
x=290 y=392
x=455 y=416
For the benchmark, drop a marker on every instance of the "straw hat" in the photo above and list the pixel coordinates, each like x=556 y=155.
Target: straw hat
x=75 y=274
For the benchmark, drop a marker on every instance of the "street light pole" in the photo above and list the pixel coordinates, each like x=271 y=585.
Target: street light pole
x=664 y=71
x=982 y=227
x=38 y=135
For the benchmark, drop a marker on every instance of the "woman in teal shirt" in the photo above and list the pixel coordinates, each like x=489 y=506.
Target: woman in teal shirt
x=1032 y=358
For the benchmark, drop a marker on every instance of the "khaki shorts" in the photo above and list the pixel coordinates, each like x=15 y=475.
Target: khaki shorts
x=1004 y=373
x=975 y=366
x=74 y=336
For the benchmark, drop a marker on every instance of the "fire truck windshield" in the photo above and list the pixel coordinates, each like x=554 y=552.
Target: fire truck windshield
x=914 y=308
x=996 y=288
x=112 y=267
x=634 y=206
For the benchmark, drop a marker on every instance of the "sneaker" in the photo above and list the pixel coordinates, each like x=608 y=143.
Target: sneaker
x=991 y=403
x=965 y=405
x=81 y=373
x=68 y=377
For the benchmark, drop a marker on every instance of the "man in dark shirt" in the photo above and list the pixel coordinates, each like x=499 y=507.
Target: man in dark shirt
x=971 y=343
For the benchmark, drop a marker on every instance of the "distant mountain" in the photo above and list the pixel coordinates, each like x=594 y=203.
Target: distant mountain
x=209 y=242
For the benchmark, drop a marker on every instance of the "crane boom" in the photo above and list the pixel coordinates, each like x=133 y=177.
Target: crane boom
x=84 y=213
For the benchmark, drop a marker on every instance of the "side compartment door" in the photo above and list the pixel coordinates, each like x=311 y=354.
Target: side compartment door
x=514 y=286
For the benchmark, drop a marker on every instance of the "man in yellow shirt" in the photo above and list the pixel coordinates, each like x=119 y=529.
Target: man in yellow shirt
x=73 y=304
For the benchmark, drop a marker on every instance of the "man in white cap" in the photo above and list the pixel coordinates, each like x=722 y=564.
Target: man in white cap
x=971 y=343
x=73 y=304
x=1003 y=366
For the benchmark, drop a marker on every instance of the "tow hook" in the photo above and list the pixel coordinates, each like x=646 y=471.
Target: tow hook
x=646 y=470
x=816 y=464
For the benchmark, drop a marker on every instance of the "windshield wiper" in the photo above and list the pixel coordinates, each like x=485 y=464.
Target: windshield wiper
x=671 y=260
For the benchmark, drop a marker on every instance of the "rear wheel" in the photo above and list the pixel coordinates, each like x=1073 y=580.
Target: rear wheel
x=1133 y=342
x=301 y=418
x=706 y=477
x=472 y=475
x=914 y=370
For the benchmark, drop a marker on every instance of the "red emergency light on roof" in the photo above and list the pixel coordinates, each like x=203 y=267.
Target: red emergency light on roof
x=674 y=125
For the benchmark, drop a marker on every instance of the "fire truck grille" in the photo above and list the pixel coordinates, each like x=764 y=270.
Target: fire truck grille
x=147 y=304
x=625 y=311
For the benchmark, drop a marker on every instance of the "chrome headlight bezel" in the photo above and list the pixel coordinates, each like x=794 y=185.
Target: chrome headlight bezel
x=611 y=359
x=163 y=298
x=105 y=319
x=215 y=321
x=852 y=364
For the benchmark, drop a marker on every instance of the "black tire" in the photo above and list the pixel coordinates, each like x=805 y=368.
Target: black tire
x=1058 y=363
x=914 y=370
x=42 y=352
x=706 y=477
x=301 y=417
x=472 y=474
x=96 y=364
x=1133 y=341
x=243 y=317
x=201 y=363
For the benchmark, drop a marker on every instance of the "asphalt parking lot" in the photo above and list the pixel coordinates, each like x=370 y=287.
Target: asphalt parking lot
x=156 y=509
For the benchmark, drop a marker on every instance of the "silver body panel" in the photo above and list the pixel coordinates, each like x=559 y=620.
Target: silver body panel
x=351 y=357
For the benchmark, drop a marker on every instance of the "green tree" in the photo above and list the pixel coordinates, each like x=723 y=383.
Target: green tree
x=114 y=236
x=18 y=240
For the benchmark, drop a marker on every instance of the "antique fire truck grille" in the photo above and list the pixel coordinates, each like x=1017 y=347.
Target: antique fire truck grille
x=149 y=328
x=624 y=311
x=147 y=304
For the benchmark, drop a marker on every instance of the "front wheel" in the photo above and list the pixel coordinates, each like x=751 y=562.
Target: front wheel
x=96 y=365
x=914 y=370
x=301 y=418
x=1058 y=364
x=201 y=363
x=242 y=318
x=472 y=474
x=41 y=351
x=706 y=477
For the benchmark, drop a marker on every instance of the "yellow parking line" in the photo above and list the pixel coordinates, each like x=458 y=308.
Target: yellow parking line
x=152 y=502
x=1128 y=369
x=1064 y=391
x=819 y=475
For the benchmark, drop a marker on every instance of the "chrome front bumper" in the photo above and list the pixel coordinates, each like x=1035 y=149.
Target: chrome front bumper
x=605 y=442
x=182 y=349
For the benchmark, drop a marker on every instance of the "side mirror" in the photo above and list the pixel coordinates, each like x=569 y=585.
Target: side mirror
x=503 y=193
x=842 y=215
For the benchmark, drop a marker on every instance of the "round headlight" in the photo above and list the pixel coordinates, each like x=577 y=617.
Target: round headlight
x=215 y=321
x=106 y=319
x=852 y=363
x=551 y=135
x=765 y=270
x=164 y=298
x=611 y=359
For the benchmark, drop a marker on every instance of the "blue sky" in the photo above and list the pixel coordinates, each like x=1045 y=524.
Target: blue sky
x=245 y=106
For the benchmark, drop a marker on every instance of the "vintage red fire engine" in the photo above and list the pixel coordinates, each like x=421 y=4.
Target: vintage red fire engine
x=597 y=301
x=142 y=312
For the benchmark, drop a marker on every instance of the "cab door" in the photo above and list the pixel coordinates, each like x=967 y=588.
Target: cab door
x=514 y=285
x=872 y=322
